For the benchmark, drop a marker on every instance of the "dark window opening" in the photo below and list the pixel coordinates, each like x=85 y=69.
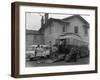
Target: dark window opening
x=76 y=29
x=63 y=28
x=85 y=31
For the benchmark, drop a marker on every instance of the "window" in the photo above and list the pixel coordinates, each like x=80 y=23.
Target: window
x=63 y=28
x=76 y=29
x=85 y=31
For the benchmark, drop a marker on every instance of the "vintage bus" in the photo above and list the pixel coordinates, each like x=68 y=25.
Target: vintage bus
x=74 y=40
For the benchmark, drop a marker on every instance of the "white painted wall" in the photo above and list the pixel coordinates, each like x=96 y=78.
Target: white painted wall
x=56 y=30
x=77 y=22
x=52 y=32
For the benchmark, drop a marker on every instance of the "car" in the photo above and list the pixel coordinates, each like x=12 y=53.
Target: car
x=30 y=52
x=34 y=52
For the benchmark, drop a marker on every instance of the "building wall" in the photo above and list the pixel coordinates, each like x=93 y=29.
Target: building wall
x=53 y=31
x=77 y=22
x=38 y=39
x=29 y=40
x=34 y=39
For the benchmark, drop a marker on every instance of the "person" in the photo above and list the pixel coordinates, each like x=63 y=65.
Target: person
x=36 y=50
x=61 y=47
x=72 y=56
x=54 y=51
x=50 y=48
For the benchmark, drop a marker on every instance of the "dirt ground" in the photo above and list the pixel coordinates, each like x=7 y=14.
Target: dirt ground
x=48 y=62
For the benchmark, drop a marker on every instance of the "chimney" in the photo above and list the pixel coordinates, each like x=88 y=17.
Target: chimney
x=46 y=17
x=42 y=21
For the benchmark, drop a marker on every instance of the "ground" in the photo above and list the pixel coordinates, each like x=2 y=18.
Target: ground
x=48 y=62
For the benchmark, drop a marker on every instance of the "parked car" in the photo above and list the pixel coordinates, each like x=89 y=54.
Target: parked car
x=30 y=52
x=33 y=52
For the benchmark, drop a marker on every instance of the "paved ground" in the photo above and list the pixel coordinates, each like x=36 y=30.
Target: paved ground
x=49 y=63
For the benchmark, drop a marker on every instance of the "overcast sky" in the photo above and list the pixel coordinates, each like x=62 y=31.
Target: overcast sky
x=33 y=20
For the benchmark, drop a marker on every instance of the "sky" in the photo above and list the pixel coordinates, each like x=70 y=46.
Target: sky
x=33 y=20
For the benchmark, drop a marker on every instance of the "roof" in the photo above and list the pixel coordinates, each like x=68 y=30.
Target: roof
x=58 y=20
x=63 y=20
x=78 y=16
x=49 y=21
